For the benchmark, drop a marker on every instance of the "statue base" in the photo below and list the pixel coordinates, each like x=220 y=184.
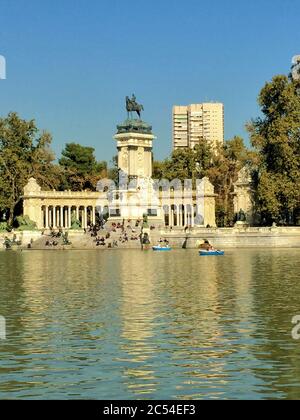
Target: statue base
x=134 y=126
x=241 y=225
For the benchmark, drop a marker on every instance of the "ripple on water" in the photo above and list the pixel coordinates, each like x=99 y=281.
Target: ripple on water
x=129 y=324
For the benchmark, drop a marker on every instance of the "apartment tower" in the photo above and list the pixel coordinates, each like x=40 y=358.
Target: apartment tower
x=198 y=121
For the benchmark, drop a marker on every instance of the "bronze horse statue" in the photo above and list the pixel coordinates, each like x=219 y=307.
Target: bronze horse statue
x=133 y=106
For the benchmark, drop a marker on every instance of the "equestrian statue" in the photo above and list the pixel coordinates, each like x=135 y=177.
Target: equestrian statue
x=133 y=106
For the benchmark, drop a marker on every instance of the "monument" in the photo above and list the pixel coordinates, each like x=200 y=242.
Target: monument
x=134 y=143
x=244 y=198
x=137 y=196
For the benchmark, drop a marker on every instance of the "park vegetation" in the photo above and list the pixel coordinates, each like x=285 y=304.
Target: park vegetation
x=273 y=159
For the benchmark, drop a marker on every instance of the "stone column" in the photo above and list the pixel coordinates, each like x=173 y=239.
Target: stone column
x=193 y=216
x=61 y=216
x=85 y=217
x=51 y=217
x=93 y=215
x=47 y=217
x=69 y=216
x=77 y=213
x=187 y=215
x=54 y=217
x=66 y=225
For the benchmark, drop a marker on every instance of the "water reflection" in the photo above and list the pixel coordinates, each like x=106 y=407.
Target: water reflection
x=139 y=314
x=128 y=324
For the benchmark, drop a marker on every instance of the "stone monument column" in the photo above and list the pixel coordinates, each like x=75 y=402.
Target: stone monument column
x=136 y=194
x=244 y=197
x=135 y=152
x=32 y=203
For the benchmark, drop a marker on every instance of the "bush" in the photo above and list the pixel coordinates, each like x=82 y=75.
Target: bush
x=24 y=223
x=3 y=226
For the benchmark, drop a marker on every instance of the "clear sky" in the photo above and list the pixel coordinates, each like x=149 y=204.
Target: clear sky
x=70 y=63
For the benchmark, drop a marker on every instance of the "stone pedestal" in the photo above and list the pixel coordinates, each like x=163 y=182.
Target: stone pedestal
x=135 y=154
x=244 y=195
x=241 y=225
x=134 y=143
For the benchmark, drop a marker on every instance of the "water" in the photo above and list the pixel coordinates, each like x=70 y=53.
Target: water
x=134 y=325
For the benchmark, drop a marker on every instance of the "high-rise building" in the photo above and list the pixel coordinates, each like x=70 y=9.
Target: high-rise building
x=198 y=121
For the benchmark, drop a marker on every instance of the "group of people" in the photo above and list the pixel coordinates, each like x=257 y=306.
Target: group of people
x=125 y=233
x=206 y=246
x=55 y=234
x=164 y=242
x=58 y=238
x=93 y=230
x=51 y=243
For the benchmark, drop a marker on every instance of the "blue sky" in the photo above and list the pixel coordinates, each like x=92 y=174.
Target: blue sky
x=70 y=63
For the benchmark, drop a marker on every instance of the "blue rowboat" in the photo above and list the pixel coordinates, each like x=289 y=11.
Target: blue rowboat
x=204 y=253
x=161 y=248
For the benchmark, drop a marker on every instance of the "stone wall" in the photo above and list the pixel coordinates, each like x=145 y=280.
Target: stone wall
x=220 y=238
x=238 y=238
x=25 y=237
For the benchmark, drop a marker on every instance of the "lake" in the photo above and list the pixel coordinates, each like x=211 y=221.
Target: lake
x=127 y=324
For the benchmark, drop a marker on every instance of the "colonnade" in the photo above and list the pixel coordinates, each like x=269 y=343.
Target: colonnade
x=180 y=215
x=61 y=216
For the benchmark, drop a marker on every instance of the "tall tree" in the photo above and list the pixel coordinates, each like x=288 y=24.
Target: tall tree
x=276 y=136
x=113 y=171
x=223 y=173
x=220 y=164
x=24 y=152
x=181 y=165
x=80 y=167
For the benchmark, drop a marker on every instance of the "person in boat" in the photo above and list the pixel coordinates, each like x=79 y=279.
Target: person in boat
x=206 y=246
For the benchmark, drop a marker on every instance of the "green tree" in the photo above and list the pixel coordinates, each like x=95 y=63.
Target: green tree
x=181 y=165
x=158 y=169
x=81 y=171
x=220 y=164
x=113 y=171
x=276 y=137
x=24 y=152
x=223 y=173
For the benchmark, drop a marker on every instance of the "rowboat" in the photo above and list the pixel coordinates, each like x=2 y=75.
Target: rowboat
x=204 y=253
x=161 y=248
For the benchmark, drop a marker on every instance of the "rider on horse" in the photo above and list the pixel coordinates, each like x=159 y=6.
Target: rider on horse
x=133 y=106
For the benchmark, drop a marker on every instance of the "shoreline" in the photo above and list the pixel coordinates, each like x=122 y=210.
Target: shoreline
x=220 y=238
x=21 y=250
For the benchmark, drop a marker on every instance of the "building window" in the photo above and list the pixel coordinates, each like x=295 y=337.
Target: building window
x=152 y=212
x=115 y=213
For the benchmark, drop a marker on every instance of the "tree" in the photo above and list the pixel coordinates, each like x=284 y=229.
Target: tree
x=181 y=165
x=221 y=165
x=80 y=167
x=113 y=171
x=24 y=153
x=158 y=169
x=223 y=173
x=276 y=137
